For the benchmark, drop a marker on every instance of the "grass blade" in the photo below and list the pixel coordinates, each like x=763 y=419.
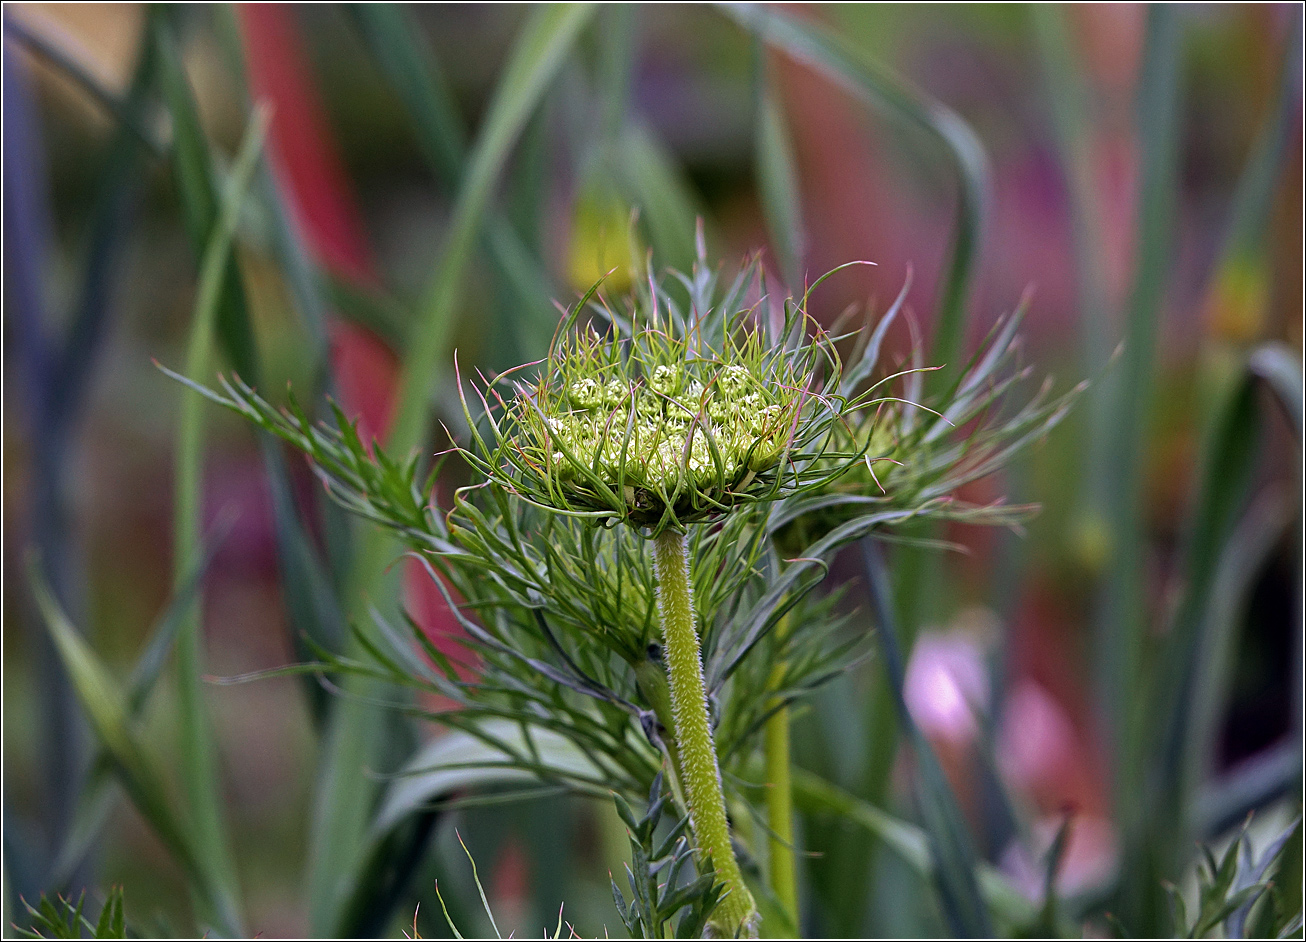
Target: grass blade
x=139 y=771
x=1120 y=613
x=391 y=31
x=27 y=238
x=309 y=594
x=667 y=204
x=199 y=766
x=1240 y=289
x=1225 y=554
x=394 y=37
x=60 y=369
x=546 y=39
x=457 y=760
x=1241 y=562
x=344 y=801
x=46 y=38
x=1130 y=388
x=955 y=863
x=1225 y=551
x=196 y=176
x=96 y=798
x=449 y=765
x=778 y=179
x=907 y=842
x=1254 y=783
x=350 y=737
x=111 y=217
x=1069 y=108
x=1279 y=367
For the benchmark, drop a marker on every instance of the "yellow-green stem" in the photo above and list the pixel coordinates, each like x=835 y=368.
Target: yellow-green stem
x=779 y=795
x=737 y=913
x=780 y=813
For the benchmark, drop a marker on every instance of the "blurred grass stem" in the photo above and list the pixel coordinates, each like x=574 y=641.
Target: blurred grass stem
x=1121 y=623
x=343 y=802
x=779 y=795
x=199 y=767
x=780 y=812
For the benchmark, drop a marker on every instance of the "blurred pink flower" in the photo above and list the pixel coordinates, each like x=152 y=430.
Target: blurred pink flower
x=1036 y=743
x=946 y=682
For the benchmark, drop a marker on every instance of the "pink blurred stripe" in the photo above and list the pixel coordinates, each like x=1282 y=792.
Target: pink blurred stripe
x=311 y=170
x=314 y=184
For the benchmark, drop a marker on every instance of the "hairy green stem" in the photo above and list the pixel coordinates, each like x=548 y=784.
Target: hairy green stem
x=737 y=914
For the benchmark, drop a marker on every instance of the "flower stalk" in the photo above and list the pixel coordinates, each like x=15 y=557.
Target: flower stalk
x=642 y=422
x=780 y=812
x=737 y=913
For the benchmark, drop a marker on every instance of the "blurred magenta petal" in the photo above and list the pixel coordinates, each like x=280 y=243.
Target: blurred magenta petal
x=366 y=372
x=1037 y=740
x=946 y=682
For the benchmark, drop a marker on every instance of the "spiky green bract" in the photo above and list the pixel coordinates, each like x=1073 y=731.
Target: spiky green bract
x=1229 y=890
x=920 y=450
x=657 y=879
x=560 y=605
x=661 y=417
x=722 y=412
x=560 y=616
x=62 y=919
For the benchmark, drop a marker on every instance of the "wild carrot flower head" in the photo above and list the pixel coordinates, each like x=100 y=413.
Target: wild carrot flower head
x=665 y=414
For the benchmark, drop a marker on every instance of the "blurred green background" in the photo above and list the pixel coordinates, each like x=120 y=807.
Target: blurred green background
x=1143 y=181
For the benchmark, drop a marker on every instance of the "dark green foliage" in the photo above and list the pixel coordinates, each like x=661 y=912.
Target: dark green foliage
x=921 y=448
x=1231 y=888
x=62 y=920
x=561 y=613
x=95 y=800
x=136 y=766
x=951 y=846
x=664 y=894
x=560 y=616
